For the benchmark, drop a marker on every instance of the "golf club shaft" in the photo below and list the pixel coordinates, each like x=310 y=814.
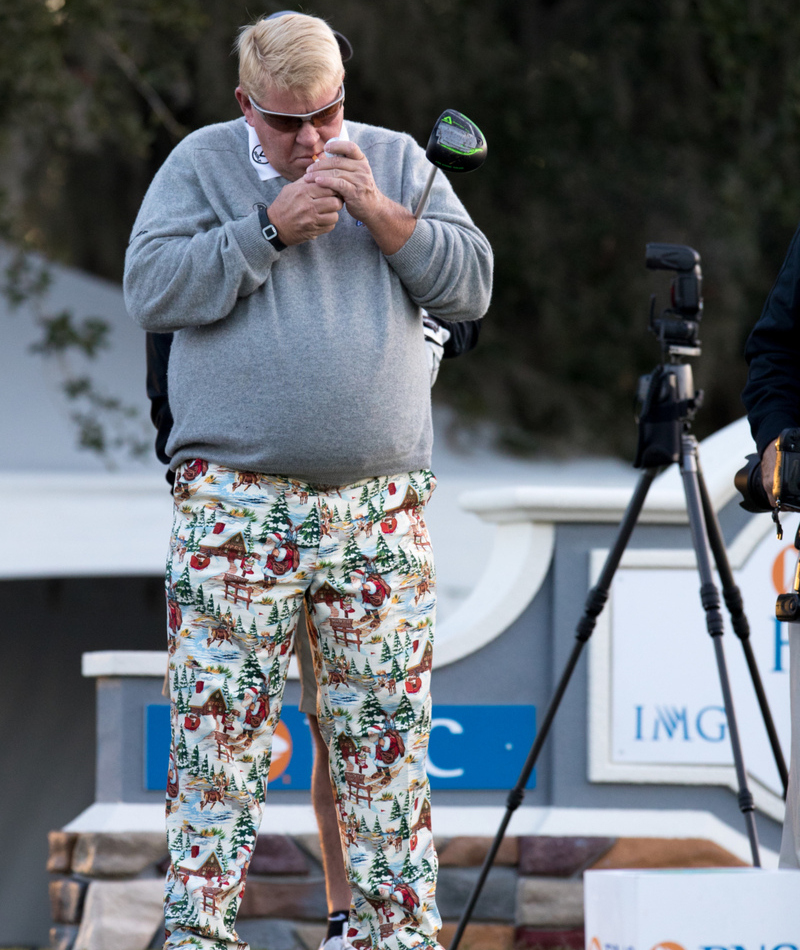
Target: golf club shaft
x=424 y=199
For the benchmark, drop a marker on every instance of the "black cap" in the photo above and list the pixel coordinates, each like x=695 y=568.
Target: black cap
x=344 y=44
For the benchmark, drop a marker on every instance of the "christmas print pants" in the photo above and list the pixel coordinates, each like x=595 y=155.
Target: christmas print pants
x=248 y=552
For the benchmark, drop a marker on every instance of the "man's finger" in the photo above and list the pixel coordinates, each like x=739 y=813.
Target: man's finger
x=328 y=205
x=348 y=149
x=342 y=186
x=768 y=463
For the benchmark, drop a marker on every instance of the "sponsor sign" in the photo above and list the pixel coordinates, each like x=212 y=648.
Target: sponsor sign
x=473 y=747
x=704 y=909
x=657 y=705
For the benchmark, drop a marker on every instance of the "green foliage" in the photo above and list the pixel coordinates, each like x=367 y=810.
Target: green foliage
x=609 y=125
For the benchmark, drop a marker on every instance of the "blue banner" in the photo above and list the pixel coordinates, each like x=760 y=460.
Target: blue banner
x=471 y=747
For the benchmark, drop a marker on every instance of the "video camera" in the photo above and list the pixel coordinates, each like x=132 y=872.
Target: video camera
x=667 y=398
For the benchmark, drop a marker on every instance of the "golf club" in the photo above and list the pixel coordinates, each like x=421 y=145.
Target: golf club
x=456 y=145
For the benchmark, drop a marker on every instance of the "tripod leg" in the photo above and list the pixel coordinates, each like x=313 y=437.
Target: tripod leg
x=595 y=601
x=709 y=596
x=733 y=601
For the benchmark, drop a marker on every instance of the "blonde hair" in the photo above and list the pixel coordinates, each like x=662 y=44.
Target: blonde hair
x=290 y=53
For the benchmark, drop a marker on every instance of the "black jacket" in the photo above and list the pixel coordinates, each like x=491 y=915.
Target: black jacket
x=772 y=393
x=463 y=337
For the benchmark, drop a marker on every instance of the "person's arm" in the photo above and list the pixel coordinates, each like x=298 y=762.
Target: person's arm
x=184 y=265
x=157 y=348
x=443 y=260
x=772 y=392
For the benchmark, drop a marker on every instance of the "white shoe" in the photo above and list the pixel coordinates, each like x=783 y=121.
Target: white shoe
x=336 y=943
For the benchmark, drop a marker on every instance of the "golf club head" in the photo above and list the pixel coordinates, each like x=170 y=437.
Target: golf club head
x=456 y=144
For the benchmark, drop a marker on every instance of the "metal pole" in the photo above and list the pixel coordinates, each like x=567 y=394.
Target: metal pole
x=741 y=627
x=709 y=596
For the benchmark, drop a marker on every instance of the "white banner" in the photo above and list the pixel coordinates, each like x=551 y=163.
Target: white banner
x=732 y=909
x=656 y=710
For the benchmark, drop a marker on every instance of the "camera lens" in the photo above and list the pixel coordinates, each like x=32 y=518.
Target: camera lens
x=749 y=485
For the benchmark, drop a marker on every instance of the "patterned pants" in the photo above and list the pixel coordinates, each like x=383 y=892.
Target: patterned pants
x=248 y=552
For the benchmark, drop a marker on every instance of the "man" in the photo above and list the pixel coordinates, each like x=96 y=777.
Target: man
x=772 y=399
x=294 y=272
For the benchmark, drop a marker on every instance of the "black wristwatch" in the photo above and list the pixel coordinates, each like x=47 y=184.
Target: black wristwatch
x=269 y=230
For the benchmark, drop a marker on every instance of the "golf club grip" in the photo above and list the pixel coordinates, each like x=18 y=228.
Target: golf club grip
x=427 y=190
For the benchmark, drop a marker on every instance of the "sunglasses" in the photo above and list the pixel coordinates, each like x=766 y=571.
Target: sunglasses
x=290 y=122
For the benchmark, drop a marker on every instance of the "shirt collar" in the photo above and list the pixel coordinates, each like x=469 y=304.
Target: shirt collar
x=259 y=161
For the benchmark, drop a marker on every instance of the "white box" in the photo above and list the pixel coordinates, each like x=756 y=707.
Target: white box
x=692 y=909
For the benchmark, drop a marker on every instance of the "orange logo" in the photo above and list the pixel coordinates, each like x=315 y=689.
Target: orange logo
x=667 y=945
x=783 y=568
x=281 y=751
x=595 y=944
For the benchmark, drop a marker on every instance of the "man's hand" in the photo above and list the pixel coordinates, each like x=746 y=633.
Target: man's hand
x=768 y=462
x=304 y=210
x=344 y=169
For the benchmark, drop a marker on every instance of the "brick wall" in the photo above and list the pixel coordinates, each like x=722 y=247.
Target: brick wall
x=106 y=888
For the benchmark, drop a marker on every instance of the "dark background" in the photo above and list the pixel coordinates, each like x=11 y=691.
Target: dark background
x=47 y=752
x=609 y=125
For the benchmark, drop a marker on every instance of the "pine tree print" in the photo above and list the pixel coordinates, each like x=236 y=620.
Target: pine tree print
x=251 y=675
x=409 y=872
x=243 y=834
x=404 y=717
x=379 y=872
x=384 y=557
x=275 y=677
x=371 y=713
x=398 y=674
x=277 y=520
x=309 y=533
x=182 y=753
x=372 y=513
x=183 y=589
x=353 y=558
x=403 y=564
x=230 y=918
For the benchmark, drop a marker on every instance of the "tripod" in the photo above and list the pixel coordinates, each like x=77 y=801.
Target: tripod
x=668 y=408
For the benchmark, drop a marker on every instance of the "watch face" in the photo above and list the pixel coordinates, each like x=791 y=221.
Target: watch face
x=270 y=232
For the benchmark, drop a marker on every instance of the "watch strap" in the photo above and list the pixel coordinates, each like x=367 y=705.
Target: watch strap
x=268 y=230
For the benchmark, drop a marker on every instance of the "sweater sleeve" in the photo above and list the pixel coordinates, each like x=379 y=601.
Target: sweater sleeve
x=772 y=392
x=446 y=265
x=185 y=266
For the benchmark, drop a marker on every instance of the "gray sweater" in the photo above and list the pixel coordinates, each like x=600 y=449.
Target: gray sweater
x=307 y=362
